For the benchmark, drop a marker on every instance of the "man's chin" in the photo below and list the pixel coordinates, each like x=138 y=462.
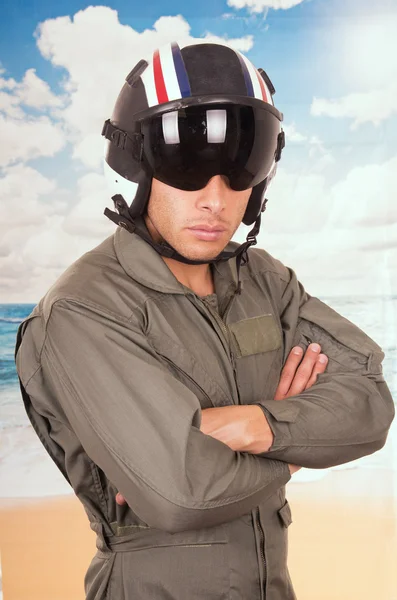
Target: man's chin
x=203 y=256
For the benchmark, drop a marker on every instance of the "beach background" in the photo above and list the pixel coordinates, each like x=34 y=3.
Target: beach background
x=331 y=216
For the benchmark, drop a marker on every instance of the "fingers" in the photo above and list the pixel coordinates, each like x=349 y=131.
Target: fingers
x=120 y=499
x=288 y=372
x=308 y=370
x=299 y=375
x=319 y=367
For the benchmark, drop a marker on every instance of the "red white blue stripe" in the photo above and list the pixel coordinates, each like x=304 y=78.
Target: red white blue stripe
x=166 y=79
x=255 y=84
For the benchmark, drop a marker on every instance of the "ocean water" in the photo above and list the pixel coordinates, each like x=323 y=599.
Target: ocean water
x=27 y=470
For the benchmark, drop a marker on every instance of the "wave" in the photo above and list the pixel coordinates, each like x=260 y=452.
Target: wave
x=11 y=319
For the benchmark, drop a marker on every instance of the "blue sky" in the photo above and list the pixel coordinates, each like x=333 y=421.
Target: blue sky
x=296 y=47
x=331 y=61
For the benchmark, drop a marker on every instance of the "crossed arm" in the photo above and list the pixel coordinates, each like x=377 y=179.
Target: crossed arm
x=245 y=428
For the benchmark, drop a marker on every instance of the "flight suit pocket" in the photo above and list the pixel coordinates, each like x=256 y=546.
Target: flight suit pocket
x=177 y=572
x=255 y=335
x=285 y=514
x=276 y=518
x=178 y=566
x=347 y=347
x=257 y=346
x=189 y=371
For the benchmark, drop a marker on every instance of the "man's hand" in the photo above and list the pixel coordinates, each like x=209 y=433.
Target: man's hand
x=237 y=426
x=295 y=379
x=244 y=427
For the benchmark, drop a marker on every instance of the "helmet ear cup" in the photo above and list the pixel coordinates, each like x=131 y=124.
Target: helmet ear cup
x=138 y=205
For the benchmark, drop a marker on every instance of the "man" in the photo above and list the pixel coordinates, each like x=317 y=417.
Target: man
x=162 y=379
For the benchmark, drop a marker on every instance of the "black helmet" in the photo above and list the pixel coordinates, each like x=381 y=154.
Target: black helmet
x=190 y=113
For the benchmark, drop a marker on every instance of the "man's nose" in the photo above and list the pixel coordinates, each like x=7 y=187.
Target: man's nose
x=215 y=194
x=218 y=181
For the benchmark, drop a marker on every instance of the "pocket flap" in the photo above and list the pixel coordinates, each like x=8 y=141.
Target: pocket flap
x=341 y=328
x=191 y=372
x=285 y=514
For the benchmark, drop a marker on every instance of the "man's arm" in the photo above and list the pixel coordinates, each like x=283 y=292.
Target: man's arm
x=347 y=413
x=244 y=427
x=137 y=422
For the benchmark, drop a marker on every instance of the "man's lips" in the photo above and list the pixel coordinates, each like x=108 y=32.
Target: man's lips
x=204 y=232
x=208 y=228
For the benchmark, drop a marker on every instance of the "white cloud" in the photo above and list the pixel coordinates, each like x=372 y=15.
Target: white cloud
x=365 y=57
x=40 y=236
x=21 y=188
x=292 y=135
x=334 y=236
x=28 y=202
x=243 y=44
x=35 y=92
x=368 y=50
x=89 y=150
x=366 y=197
x=292 y=197
x=9 y=105
x=363 y=199
x=87 y=218
x=32 y=91
x=362 y=107
x=50 y=246
x=28 y=138
x=8 y=84
x=257 y=6
x=318 y=156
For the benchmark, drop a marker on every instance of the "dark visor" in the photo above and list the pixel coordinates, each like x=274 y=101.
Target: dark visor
x=185 y=148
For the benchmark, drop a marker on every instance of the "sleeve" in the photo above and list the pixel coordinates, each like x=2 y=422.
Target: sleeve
x=140 y=425
x=347 y=413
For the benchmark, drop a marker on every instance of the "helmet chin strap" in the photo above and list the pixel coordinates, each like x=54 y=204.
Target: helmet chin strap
x=123 y=219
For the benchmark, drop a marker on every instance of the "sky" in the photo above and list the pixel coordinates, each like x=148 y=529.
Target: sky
x=331 y=214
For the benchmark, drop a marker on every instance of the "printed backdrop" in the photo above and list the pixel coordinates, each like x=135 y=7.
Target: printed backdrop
x=331 y=215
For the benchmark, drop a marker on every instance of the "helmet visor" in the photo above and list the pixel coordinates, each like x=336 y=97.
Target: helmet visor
x=185 y=148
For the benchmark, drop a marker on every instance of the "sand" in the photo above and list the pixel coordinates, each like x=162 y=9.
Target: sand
x=342 y=542
x=46 y=546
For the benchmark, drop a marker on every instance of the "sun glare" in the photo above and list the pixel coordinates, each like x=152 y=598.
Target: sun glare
x=369 y=50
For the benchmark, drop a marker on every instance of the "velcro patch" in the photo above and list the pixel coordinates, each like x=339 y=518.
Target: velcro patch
x=256 y=335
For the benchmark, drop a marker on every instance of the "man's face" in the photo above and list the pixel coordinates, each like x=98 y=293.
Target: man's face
x=171 y=212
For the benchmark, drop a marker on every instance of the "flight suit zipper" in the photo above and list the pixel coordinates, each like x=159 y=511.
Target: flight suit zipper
x=225 y=331
x=227 y=337
x=185 y=374
x=262 y=552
